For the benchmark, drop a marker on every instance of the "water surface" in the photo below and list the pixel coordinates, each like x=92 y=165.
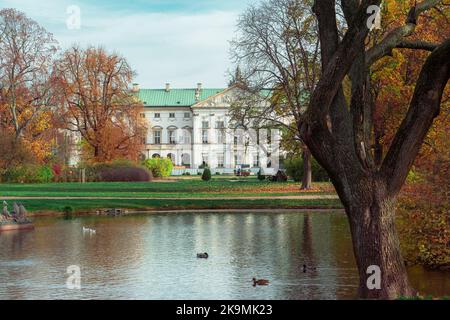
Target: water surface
x=154 y=257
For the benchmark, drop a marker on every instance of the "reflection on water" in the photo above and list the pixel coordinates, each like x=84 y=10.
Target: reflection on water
x=154 y=257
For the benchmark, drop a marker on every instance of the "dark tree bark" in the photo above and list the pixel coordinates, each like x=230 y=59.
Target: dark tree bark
x=339 y=137
x=307 y=172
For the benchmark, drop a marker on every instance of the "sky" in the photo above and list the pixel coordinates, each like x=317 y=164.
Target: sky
x=181 y=42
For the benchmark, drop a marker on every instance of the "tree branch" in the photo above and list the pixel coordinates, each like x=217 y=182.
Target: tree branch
x=396 y=36
x=420 y=45
x=424 y=107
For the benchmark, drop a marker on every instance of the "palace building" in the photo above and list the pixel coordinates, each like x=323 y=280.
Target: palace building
x=193 y=127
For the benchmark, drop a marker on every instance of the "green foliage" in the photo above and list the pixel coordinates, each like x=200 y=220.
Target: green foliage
x=160 y=167
x=68 y=212
x=294 y=169
x=414 y=176
x=44 y=174
x=29 y=173
x=424 y=234
x=206 y=176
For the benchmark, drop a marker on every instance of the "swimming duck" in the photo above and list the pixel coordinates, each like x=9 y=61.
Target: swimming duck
x=260 y=282
x=202 y=255
x=305 y=268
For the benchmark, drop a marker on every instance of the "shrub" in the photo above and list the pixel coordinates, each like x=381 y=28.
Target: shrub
x=206 y=176
x=44 y=174
x=217 y=173
x=280 y=176
x=68 y=212
x=28 y=174
x=124 y=174
x=117 y=172
x=160 y=167
x=294 y=169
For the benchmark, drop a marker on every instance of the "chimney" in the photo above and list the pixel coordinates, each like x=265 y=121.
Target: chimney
x=135 y=87
x=197 y=91
x=167 y=87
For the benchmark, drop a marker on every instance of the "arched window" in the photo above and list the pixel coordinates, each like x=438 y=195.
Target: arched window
x=157 y=135
x=172 y=130
x=171 y=156
x=156 y=155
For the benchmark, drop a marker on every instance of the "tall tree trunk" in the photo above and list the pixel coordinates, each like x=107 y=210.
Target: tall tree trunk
x=307 y=174
x=371 y=214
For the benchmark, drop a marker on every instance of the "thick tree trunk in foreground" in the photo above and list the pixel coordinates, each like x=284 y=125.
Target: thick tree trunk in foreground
x=371 y=215
x=307 y=174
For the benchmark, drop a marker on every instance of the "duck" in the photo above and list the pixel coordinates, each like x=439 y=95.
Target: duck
x=203 y=255
x=260 y=282
x=305 y=268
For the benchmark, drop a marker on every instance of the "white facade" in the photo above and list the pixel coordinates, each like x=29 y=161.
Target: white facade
x=202 y=134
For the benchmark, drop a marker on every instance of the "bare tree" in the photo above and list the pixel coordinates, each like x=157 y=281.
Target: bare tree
x=338 y=128
x=278 y=46
x=97 y=103
x=26 y=55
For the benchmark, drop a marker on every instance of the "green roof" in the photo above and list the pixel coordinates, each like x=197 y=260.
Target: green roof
x=174 y=97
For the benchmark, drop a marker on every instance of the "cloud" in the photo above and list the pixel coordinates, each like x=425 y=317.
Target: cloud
x=182 y=48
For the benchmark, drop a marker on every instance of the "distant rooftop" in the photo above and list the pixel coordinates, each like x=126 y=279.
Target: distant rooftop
x=175 y=97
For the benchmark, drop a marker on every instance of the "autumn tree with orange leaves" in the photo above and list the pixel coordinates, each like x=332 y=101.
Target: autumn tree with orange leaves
x=26 y=56
x=97 y=104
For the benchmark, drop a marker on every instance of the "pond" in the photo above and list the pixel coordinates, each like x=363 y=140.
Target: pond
x=154 y=257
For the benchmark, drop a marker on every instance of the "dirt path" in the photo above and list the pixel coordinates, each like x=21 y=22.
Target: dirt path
x=300 y=197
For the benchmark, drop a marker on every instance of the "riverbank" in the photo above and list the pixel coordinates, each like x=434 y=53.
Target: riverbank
x=39 y=207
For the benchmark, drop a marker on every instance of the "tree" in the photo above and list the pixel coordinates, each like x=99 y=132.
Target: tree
x=98 y=105
x=206 y=175
x=338 y=127
x=278 y=46
x=26 y=55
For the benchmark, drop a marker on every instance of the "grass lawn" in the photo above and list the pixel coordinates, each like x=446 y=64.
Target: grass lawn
x=191 y=188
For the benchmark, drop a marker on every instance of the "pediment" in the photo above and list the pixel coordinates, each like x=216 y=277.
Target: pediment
x=221 y=100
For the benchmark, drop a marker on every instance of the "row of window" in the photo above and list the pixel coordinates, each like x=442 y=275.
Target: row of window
x=157 y=115
x=186 y=139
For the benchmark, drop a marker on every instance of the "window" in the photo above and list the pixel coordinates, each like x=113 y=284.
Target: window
x=205 y=159
x=157 y=115
x=205 y=124
x=187 y=115
x=220 y=157
x=220 y=124
x=186 y=136
x=255 y=160
x=157 y=136
x=237 y=159
x=221 y=136
x=172 y=137
x=204 y=136
x=269 y=160
x=172 y=115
